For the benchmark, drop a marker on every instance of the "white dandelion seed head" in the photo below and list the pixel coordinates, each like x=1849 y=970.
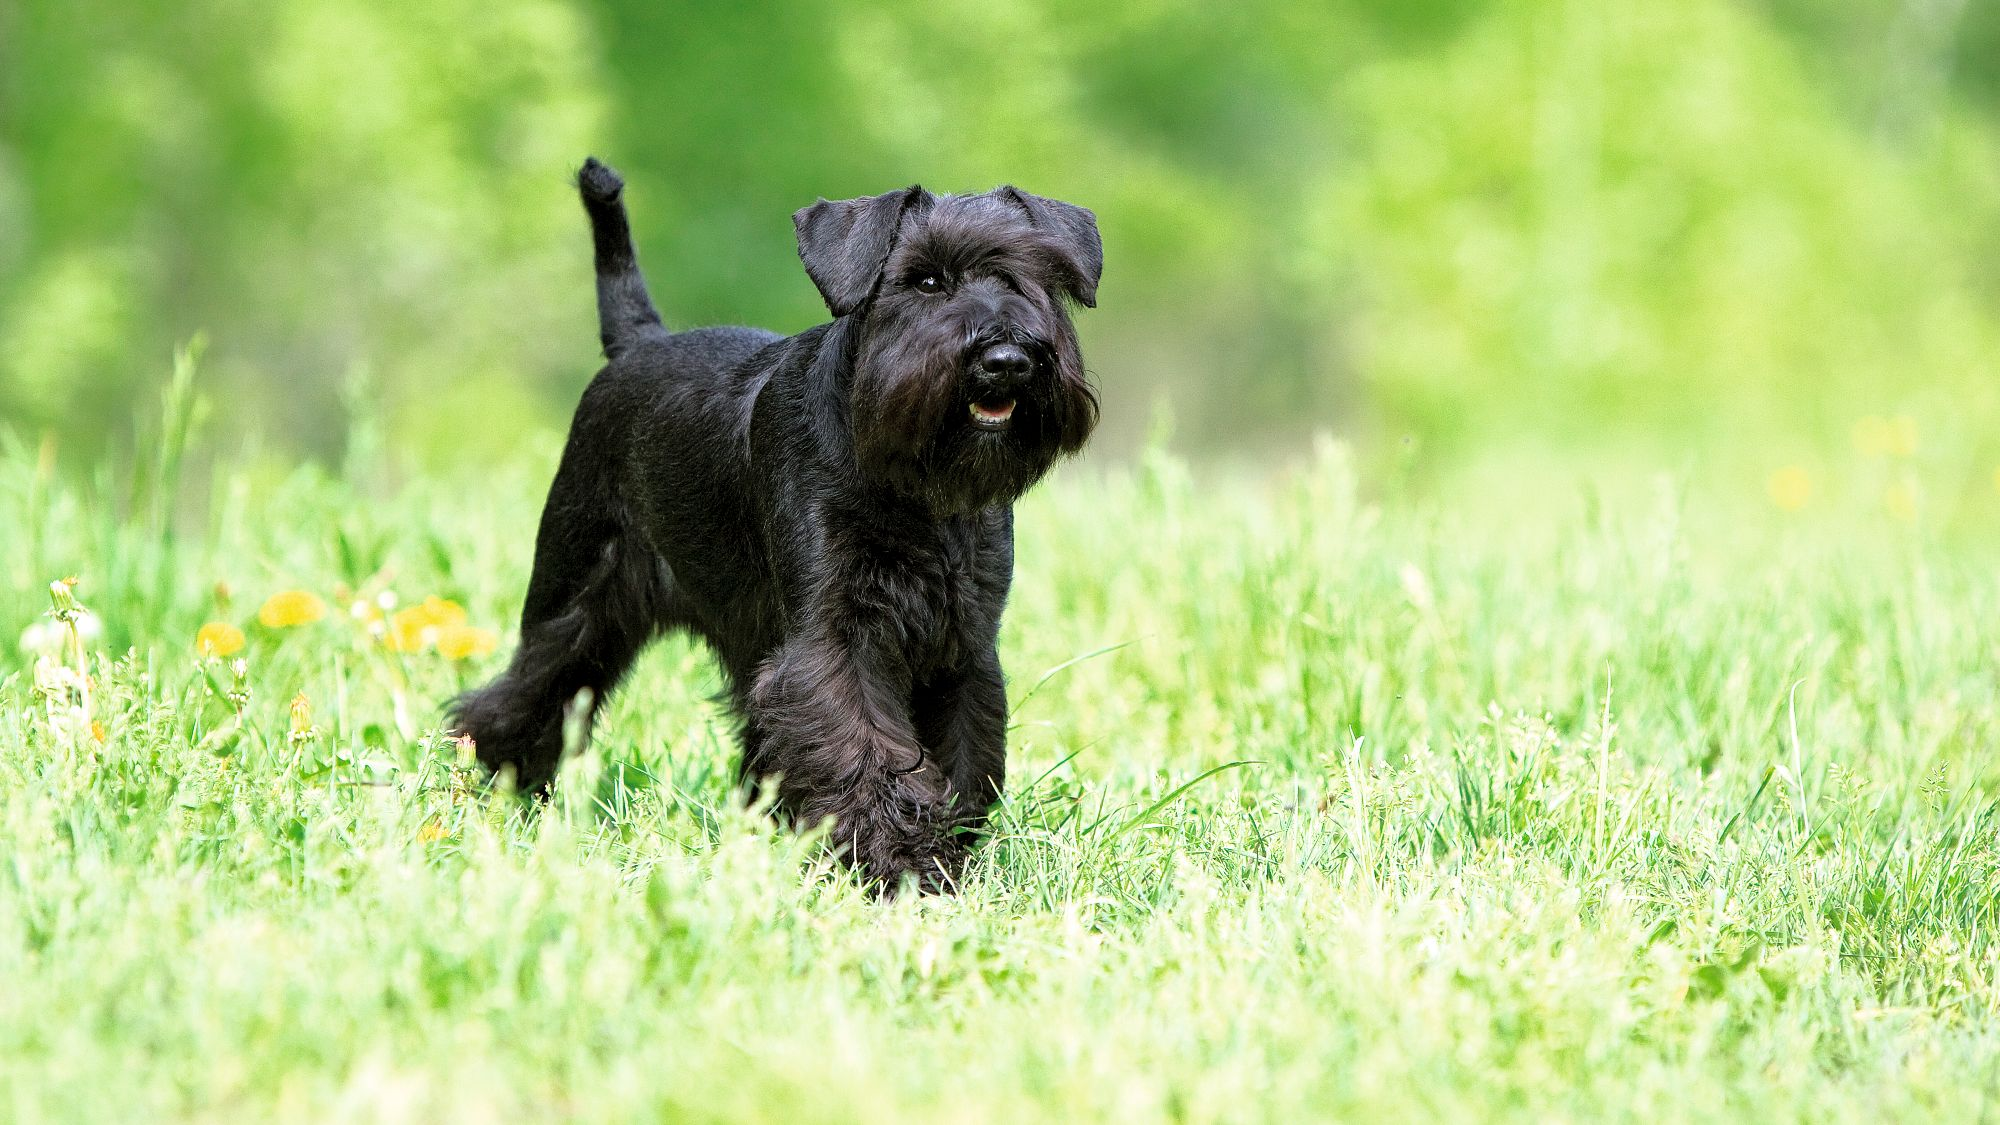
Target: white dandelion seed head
x=40 y=637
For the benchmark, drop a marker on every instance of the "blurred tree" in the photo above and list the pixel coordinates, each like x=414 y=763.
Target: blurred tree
x=321 y=182
x=1548 y=222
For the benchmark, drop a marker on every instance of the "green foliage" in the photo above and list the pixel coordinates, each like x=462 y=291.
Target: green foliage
x=1585 y=223
x=1630 y=229
x=1322 y=807
x=322 y=184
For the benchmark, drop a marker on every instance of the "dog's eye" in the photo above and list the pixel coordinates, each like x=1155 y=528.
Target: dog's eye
x=929 y=284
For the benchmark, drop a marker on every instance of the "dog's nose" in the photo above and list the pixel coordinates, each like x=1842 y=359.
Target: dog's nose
x=1005 y=361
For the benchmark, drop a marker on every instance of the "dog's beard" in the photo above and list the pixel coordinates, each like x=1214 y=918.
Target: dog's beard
x=917 y=423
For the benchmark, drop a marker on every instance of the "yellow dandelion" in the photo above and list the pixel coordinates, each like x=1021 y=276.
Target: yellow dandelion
x=459 y=641
x=97 y=732
x=418 y=627
x=302 y=717
x=1900 y=501
x=1790 y=488
x=432 y=831
x=218 y=638
x=405 y=631
x=287 y=609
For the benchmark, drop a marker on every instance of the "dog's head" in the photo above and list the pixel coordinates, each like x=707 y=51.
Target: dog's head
x=967 y=381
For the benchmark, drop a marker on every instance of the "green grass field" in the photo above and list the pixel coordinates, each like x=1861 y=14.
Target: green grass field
x=1327 y=802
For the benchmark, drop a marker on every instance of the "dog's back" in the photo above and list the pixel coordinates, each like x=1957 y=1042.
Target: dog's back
x=666 y=401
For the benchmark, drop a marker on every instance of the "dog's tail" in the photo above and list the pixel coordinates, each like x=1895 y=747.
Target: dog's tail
x=624 y=311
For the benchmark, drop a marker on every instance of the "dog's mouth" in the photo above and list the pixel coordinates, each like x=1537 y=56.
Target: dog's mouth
x=991 y=413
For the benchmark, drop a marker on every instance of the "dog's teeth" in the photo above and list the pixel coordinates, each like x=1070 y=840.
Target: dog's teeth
x=991 y=415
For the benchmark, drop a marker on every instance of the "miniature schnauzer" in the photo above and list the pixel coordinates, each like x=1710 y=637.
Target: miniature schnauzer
x=831 y=512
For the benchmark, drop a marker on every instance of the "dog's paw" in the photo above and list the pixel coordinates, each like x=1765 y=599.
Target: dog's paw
x=905 y=837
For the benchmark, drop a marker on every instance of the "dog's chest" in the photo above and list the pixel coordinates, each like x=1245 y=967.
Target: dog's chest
x=933 y=593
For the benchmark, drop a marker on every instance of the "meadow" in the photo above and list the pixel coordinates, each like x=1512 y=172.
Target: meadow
x=1601 y=724
x=1330 y=799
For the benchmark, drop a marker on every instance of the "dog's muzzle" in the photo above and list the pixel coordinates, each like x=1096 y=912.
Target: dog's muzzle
x=999 y=374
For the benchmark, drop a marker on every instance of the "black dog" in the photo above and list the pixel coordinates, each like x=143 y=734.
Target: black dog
x=830 y=511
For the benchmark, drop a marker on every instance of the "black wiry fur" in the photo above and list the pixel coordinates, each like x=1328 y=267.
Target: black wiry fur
x=821 y=508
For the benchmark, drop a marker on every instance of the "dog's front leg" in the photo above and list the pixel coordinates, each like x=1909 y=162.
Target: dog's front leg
x=962 y=716
x=833 y=716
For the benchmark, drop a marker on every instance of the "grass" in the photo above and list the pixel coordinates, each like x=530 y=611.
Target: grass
x=1326 y=807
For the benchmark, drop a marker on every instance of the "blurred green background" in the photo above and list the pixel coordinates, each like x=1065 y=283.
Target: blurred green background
x=1496 y=234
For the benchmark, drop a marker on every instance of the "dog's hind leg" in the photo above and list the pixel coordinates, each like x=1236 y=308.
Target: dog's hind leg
x=595 y=599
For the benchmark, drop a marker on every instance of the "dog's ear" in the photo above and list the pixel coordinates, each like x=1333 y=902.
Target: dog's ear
x=844 y=243
x=1075 y=232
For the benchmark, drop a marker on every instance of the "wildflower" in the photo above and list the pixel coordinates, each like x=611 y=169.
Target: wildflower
x=369 y=616
x=239 y=683
x=47 y=636
x=60 y=685
x=97 y=732
x=68 y=615
x=418 y=627
x=405 y=631
x=290 y=608
x=303 y=730
x=432 y=831
x=218 y=638
x=458 y=641
x=358 y=605
x=62 y=596
x=1790 y=488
